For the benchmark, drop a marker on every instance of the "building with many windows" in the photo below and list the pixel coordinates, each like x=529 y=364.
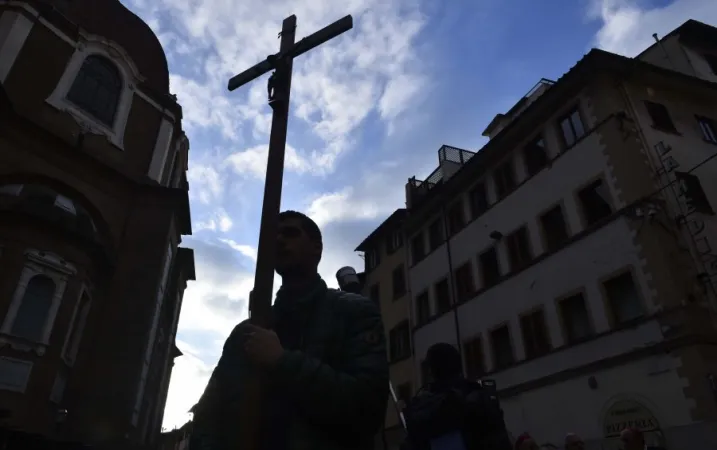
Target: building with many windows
x=571 y=259
x=93 y=205
x=385 y=282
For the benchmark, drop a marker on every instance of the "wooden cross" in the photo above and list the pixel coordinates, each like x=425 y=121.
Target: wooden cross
x=279 y=89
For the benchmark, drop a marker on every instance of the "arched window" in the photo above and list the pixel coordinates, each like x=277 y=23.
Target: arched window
x=34 y=309
x=97 y=88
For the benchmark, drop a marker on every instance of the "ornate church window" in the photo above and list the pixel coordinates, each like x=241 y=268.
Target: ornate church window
x=34 y=309
x=97 y=89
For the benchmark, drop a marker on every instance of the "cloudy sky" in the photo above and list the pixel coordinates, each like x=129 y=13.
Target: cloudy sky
x=369 y=110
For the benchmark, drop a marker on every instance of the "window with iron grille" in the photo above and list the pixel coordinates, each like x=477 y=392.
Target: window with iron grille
x=489 y=267
x=555 y=229
x=423 y=308
x=456 y=218
x=623 y=297
x=572 y=128
x=394 y=241
x=375 y=294
x=535 y=334
x=595 y=202
x=660 y=116
x=519 y=250
x=418 y=248
x=473 y=355
x=435 y=234
x=399 y=282
x=479 y=200
x=504 y=177
x=465 y=286
x=443 y=296
x=502 y=347
x=575 y=318
x=97 y=89
x=372 y=259
x=399 y=342
x=535 y=156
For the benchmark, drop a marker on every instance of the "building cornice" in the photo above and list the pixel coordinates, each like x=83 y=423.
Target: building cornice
x=595 y=63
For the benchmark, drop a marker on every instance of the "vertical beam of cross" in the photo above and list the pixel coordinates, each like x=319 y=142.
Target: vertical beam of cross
x=247 y=434
x=279 y=93
x=279 y=90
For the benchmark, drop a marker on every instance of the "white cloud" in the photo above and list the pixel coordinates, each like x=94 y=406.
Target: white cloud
x=252 y=161
x=219 y=220
x=371 y=69
x=189 y=377
x=373 y=195
x=335 y=86
x=246 y=250
x=216 y=301
x=205 y=183
x=627 y=25
x=345 y=205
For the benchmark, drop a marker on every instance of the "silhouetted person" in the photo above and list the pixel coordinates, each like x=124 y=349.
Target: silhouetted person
x=634 y=439
x=324 y=360
x=452 y=412
x=526 y=442
x=574 y=442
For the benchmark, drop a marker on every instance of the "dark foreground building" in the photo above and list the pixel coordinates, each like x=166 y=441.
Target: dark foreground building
x=93 y=205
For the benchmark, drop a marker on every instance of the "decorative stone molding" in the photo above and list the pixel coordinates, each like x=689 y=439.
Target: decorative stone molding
x=73 y=338
x=152 y=337
x=59 y=271
x=14 y=374
x=15 y=28
x=29 y=10
x=128 y=72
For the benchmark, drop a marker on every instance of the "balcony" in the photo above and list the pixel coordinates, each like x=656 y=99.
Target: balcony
x=450 y=161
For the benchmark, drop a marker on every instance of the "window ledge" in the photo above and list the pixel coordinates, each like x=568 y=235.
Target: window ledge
x=85 y=121
x=666 y=130
x=22 y=344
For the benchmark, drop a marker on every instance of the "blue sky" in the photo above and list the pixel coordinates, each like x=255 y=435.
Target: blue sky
x=369 y=110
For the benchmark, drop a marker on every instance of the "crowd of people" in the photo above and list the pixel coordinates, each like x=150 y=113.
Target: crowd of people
x=630 y=439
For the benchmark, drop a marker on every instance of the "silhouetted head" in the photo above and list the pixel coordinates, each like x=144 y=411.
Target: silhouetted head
x=632 y=439
x=526 y=442
x=444 y=361
x=298 y=245
x=573 y=442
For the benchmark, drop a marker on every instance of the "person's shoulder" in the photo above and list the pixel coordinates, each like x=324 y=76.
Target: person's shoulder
x=351 y=302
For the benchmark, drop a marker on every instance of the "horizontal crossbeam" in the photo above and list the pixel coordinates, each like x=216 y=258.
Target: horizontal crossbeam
x=298 y=49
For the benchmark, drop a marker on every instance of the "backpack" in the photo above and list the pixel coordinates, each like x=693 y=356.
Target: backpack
x=462 y=416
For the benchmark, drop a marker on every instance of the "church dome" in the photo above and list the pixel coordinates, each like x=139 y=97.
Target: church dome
x=113 y=21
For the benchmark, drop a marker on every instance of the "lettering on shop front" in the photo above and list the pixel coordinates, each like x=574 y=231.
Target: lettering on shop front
x=628 y=414
x=646 y=424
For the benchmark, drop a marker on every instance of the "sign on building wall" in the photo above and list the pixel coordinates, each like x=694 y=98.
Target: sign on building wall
x=630 y=414
x=695 y=211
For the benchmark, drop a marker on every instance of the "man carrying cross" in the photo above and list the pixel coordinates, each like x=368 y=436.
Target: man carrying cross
x=324 y=360
x=311 y=371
